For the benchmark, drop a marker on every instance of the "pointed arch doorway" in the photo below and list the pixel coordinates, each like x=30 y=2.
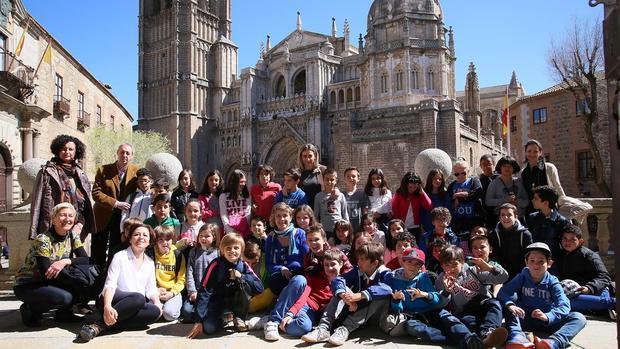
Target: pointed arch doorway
x=282 y=155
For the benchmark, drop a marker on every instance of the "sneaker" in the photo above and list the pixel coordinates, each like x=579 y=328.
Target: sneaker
x=227 y=320
x=29 y=319
x=494 y=338
x=240 y=324
x=315 y=336
x=88 y=332
x=271 y=331
x=612 y=314
x=473 y=342
x=66 y=316
x=340 y=335
x=257 y=323
x=545 y=343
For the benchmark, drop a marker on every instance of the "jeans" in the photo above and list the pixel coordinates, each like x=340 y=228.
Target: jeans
x=277 y=282
x=563 y=330
x=42 y=298
x=455 y=332
x=188 y=311
x=238 y=303
x=172 y=308
x=302 y=321
x=587 y=302
x=483 y=316
x=133 y=309
x=338 y=310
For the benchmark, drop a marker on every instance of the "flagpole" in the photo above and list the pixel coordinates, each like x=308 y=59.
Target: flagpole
x=508 y=122
x=42 y=57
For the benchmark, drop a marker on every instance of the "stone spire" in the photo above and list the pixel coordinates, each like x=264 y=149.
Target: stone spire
x=261 y=54
x=361 y=44
x=472 y=91
x=514 y=82
x=298 y=21
x=268 y=43
x=451 y=41
x=334 y=28
x=347 y=31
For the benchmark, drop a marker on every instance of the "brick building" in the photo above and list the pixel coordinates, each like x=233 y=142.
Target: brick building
x=372 y=102
x=63 y=97
x=554 y=117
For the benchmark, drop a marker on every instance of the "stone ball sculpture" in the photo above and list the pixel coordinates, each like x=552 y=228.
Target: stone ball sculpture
x=166 y=166
x=430 y=159
x=27 y=173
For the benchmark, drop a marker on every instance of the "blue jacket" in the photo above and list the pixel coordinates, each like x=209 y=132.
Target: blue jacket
x=373 y=287
x=429 y=236
x=547 y=230
x=397 y=282
x=277 y=256
x=547 y=295
x=217 y=285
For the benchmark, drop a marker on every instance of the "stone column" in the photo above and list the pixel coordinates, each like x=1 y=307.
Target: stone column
x=36 y=143
x=27 y=142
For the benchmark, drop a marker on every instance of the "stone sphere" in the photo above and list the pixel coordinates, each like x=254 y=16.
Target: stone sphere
x=166 y=166
x=27 y=173
x=430 y=159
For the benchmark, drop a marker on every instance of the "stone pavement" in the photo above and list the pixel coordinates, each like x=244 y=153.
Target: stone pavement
x=598 y=334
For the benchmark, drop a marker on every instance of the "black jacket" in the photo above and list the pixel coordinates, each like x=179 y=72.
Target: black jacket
x=508 y=246
x=585 y=267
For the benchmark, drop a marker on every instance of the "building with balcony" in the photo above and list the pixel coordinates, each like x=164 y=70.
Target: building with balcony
x=373 y=101
x=42 y=97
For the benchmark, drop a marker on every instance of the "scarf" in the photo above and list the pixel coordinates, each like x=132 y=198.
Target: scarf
x=290 y=233
x=69 y=180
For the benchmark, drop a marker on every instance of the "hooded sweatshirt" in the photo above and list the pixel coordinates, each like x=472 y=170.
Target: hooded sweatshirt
x=508 y=246
x=397 y=281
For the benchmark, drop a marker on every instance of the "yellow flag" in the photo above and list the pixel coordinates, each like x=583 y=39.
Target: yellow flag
x=22 y=38
x=47 y=55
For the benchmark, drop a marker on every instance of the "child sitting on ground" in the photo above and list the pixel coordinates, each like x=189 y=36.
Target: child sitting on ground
x=591 y=283
x=228 y=285
x=170 y=269
x=363 y=292
x=535 y=301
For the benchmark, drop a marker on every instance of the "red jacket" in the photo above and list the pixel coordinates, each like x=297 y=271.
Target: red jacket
x=400 y=206
x=264 y=198
x=317 y=294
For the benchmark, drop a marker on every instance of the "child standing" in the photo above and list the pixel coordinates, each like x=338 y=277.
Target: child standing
x=228 y=284
x=291 y=194
x=264 y=192
x=586 y=269
x=380 y=196
x=183 y=193
x=285 y=248
x=170 y=272
x=440 y=216
x=161 y=213
x=236 y=205
x=509 y=240
x=192 y=224
x=466 y=195
x=209 y=195
x=199 y=258
x=330 y=205
x=357 y=200
x=140 y=200
x=535 y=301
x=470 y=300
x=364 y=293
x=409 y=201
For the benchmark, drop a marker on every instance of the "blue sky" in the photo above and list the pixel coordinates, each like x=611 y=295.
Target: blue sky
x=498 y=36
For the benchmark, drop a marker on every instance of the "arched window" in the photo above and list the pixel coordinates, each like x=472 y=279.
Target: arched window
x=341 y=96
x=349 y=95
x=357 y=94
x=430 y=80
x=399 y=80
x=280 y=89
x=299 y=84
x=384 y=83
x=414 y=80
x=332 y=98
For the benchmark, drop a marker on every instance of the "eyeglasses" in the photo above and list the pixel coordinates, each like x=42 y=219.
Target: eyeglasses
x=460 y=174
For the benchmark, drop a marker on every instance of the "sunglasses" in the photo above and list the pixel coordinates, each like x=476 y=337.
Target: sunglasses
x=460 y=174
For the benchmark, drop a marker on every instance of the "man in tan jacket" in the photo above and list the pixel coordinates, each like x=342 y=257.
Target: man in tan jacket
x=113 y=183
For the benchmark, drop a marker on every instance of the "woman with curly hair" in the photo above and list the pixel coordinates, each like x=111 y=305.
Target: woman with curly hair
x=62 y=180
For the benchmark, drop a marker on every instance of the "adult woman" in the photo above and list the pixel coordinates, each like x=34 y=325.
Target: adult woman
x=42 y=282
x=311 y=172
x=130 y=297
x=408 y=202
x=507 y=188
x=538 y=172
x=62 y=180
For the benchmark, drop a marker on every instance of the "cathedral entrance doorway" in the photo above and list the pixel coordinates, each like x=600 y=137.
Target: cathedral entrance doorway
x=282 y=155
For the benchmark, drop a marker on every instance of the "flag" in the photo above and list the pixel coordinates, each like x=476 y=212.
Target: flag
x=22 y=39
x=47 y=57
x=505 y=118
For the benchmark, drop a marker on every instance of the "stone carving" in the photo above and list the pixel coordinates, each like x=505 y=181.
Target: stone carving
x=27 y=173
x=430 y=159
x=164 y=165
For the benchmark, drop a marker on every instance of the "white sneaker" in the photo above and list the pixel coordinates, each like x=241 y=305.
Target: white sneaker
x=257 y=323
x=271 y=331
x=315 y=336
x=340 y=335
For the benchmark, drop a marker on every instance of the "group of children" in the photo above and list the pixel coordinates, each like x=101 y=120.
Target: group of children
x=324 y=272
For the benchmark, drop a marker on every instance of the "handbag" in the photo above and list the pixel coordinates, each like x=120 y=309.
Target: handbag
x=573 y=208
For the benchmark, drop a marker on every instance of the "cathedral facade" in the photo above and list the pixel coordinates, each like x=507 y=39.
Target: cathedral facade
x=374 y=101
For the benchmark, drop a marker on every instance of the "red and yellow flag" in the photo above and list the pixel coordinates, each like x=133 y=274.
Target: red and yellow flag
x=505 y=118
